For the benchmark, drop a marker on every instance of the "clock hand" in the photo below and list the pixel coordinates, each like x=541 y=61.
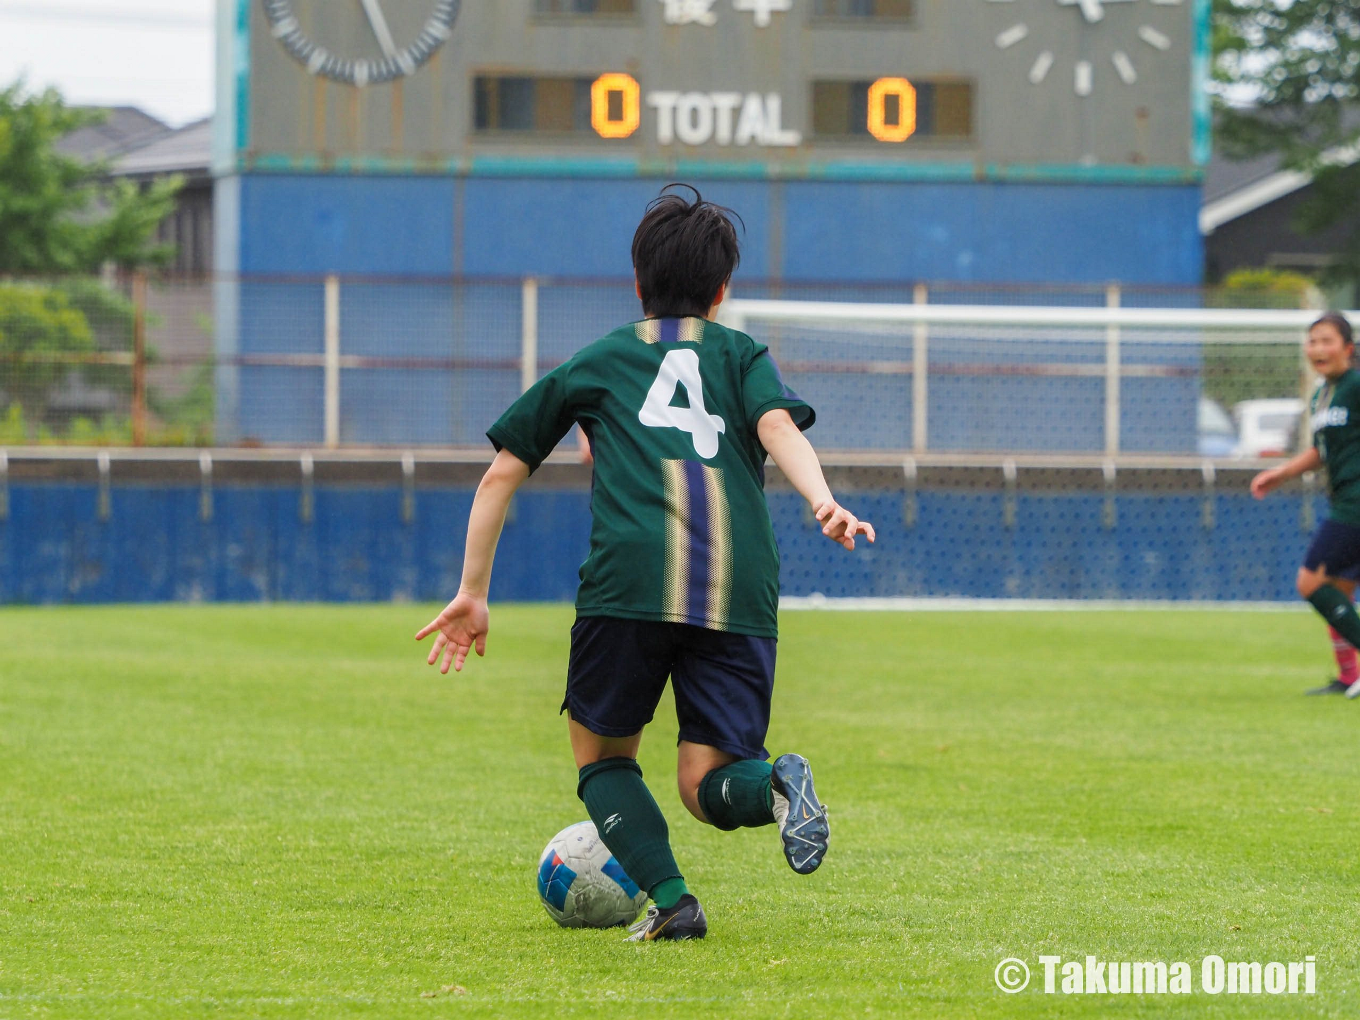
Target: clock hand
x=1091 y=10
x=379 y=25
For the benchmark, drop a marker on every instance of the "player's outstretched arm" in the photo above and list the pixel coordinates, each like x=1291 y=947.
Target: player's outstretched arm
x=1269 y=479
x=789 y=449
x=464 y=623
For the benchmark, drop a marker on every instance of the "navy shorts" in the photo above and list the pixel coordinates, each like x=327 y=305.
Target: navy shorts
x=722 y=682
x=1336 y=548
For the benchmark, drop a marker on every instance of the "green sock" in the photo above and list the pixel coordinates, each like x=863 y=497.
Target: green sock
x=632 y=826
x=1333 y=606
x=738 y=795
x=668 y=892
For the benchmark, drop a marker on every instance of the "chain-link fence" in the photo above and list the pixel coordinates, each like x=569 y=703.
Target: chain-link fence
x=340 y=362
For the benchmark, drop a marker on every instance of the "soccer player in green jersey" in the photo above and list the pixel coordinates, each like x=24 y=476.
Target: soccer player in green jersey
x=682 y=578
x=1326 y=577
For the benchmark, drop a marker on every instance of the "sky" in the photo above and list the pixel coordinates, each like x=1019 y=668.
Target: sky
x=156 y=54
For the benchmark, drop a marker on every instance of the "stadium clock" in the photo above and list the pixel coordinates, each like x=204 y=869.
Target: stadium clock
x=1093 y=13
x=389 y=61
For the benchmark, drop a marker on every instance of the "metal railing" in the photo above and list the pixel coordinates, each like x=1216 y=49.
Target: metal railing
x=335 y=363
x=1148 y=344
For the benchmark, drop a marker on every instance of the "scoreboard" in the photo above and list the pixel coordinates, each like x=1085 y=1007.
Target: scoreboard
x=739 y=87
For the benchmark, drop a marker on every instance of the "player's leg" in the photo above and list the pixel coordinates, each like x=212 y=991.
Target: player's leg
x=1348 y=667
x=723 y=685
x=1347 y=662
x=591 y=748
x=693 y=763
x=1334 y=550
x=617 y=672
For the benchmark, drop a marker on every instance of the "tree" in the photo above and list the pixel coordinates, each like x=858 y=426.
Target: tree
x=1287 y=80
x=59 y=214
x=64 y=219
x=38 y=327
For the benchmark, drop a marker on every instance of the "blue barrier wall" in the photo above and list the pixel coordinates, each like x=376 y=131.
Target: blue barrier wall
x=385 y=226
x=795 y=230
x=398 y=242
x=154 y=546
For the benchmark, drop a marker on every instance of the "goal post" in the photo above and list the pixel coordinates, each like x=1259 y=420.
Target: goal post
x=1109 y=380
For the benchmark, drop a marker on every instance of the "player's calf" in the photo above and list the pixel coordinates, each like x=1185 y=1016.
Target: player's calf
x=752 y=793
x=737 y=795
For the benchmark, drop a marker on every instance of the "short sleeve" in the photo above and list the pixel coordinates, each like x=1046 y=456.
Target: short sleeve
x=535 y=423
x=763 y=390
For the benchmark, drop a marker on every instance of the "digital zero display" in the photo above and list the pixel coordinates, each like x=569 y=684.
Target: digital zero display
x=887 y=110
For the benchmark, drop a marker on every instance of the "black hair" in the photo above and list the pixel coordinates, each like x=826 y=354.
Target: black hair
x=1339 y=323
x=683 y=252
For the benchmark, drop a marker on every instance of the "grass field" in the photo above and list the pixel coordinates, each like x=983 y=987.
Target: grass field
x=280 y=812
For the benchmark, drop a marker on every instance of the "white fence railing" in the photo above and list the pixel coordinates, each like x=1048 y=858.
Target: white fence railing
x=870 y=333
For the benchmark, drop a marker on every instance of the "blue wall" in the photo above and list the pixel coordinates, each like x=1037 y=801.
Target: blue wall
x=154 y=547
x=796 y=230
x=398 y=241
x=1041 y=233
x=385 y=226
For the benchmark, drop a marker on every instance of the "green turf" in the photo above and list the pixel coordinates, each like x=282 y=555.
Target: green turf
x=280 y=812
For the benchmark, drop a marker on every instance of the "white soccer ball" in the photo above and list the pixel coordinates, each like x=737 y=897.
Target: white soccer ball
x=582 y=886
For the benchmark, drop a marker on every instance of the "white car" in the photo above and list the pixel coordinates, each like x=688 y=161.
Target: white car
x=1217 y=433
x=1268 y=428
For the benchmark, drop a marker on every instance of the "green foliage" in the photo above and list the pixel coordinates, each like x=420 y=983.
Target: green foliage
x=13 y=429
x=186 y=420
x=1249 y=288
x=63 y=215
x=219 y=814
x=48 y=336
x=1295 y=64
x=1236 y=372
x=42 y=337
x=111 y=316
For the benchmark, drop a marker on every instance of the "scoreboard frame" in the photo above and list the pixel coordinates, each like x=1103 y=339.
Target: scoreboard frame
x=239 y=147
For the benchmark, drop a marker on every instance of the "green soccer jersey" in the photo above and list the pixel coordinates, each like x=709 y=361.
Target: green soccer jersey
x=1336 y=434
x=680 y=529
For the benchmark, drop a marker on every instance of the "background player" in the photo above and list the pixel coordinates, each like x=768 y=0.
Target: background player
x=1347 y=665
x=682 y=579
x=1335 y=421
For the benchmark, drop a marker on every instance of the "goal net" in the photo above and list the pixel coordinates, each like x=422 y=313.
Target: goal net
x=1048 y=453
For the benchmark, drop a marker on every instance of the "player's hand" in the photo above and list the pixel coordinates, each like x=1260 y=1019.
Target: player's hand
x=840 y=525
x=461 y=627
x=1265 y=482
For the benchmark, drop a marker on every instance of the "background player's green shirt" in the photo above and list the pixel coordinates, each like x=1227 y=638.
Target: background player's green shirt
x=1336 y=434
x=680 y=529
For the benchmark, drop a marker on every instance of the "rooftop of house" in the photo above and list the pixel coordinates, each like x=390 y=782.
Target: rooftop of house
x=186 y=150
x=123 y=128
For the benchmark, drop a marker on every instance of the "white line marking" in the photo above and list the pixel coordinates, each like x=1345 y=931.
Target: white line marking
x=952 y=604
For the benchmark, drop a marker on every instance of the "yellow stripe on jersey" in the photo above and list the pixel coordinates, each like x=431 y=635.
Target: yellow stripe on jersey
x=687 y=331
x=692 y=331
x=720 y=548
x=676 y=488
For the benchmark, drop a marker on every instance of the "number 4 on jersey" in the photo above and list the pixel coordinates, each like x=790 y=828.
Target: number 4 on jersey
x=682 y=368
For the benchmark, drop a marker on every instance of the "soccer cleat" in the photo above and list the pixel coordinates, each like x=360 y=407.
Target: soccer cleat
x=1334 y=686
x=801 y=817
x=1353 y=691
x=685 y=920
